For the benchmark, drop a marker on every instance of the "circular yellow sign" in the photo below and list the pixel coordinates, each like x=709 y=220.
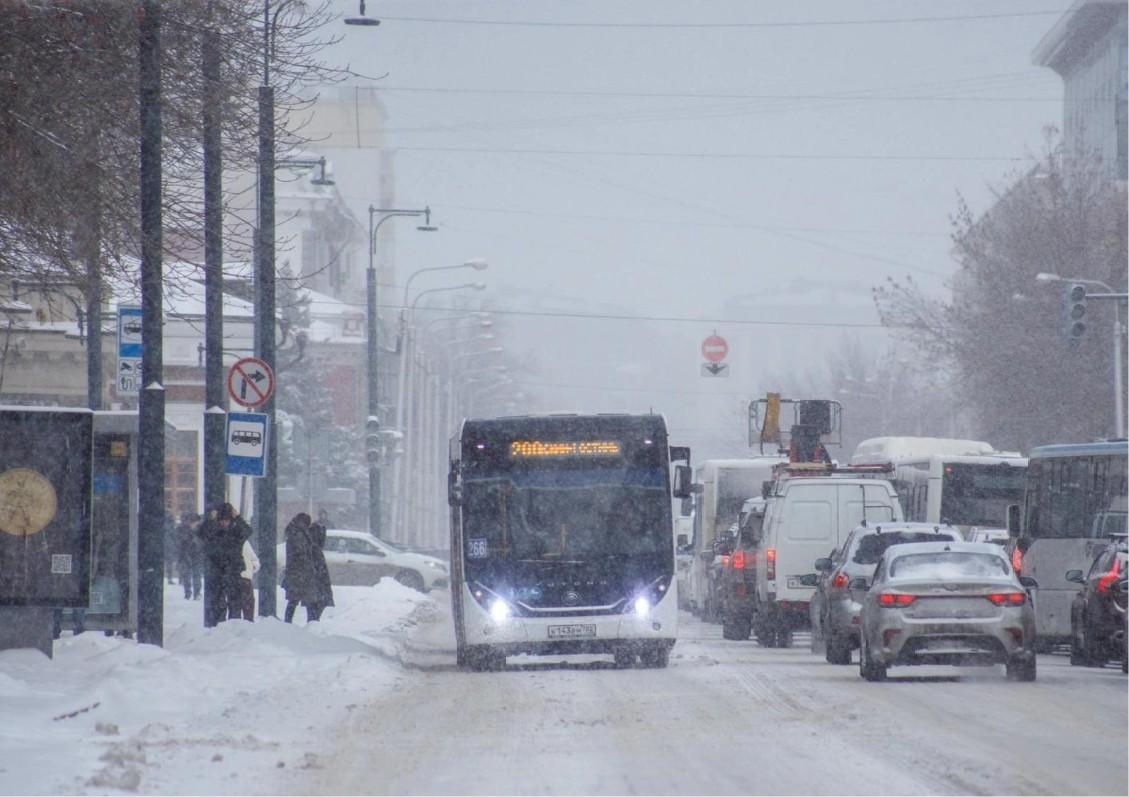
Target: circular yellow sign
x=27 y=502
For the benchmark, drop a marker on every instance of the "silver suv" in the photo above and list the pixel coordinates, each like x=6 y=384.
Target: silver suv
x=841 y=585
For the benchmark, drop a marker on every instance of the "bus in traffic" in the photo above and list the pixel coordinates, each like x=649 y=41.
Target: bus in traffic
x=562 y=537
x=965 y=483
x=1075 y=498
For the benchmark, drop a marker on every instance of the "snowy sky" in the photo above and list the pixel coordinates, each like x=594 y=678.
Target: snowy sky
x=742 y=161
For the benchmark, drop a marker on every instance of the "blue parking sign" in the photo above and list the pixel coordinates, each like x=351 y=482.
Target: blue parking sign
x=246 y=444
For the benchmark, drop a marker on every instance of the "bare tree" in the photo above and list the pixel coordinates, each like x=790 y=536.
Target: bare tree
x=1001 y=334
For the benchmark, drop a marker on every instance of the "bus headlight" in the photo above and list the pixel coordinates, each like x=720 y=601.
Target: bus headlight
x=642 y=601
x=500 y=611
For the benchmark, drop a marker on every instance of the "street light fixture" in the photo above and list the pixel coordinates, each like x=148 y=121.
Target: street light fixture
x=1047 y=277
x=321 y=179
x=362 y=19
x=373 y=419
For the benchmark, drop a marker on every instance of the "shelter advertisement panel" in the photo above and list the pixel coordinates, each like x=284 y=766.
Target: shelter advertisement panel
x=45 y=506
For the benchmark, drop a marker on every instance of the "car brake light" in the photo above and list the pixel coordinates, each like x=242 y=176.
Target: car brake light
x=738 y=560
x=770 y=564
x=840 y=580
x=1105 y=583
x=1016 y=559
x=895 y=599
x=1007 y=598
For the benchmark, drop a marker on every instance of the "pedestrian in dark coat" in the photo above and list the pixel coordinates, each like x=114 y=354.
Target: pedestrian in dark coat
x=189 y=558
x=222 y=536
x=168 y=546
x=306 y=579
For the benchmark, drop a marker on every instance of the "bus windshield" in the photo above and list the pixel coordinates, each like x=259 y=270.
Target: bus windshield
x=573 y=515
x=979 y=494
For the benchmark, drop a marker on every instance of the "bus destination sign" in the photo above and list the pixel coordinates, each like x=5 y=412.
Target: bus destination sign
x=531 y=449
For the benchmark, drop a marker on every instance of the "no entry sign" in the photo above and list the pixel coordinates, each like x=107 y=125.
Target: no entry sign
x=250 y=382
x=714 y=348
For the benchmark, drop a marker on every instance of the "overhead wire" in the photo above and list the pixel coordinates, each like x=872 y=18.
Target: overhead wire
x=723 y=25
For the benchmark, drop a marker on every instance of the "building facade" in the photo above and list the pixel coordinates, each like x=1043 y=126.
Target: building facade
x=1087 y=48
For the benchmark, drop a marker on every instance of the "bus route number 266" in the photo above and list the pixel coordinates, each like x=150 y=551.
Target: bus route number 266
x=476 y=548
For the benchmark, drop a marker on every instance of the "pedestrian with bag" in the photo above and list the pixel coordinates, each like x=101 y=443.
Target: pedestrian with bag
x=306 y=578
x=247 y=581
x=222 y=536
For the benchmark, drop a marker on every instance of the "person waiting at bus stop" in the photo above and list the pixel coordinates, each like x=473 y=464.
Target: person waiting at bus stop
x=222 y=536
x=306 y=578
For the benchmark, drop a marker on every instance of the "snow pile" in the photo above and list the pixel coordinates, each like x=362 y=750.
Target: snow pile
x=231 y=709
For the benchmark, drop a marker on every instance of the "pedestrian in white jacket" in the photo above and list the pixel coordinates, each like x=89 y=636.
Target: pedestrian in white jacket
x=246 y=583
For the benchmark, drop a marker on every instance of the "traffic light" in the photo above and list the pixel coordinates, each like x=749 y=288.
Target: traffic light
x=1074 y=311
x=372 y=439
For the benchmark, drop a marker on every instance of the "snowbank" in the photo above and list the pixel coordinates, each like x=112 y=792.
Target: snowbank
x=220 y=710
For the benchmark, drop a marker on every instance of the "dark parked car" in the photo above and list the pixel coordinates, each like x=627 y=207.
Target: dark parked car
x=835 y=605
x=1097 y=615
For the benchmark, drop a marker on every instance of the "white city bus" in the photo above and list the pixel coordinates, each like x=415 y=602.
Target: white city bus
x=1076 y=497
x=562 y=538
x=963 y=482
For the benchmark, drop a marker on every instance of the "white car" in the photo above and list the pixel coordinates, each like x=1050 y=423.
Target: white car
x=357 y=558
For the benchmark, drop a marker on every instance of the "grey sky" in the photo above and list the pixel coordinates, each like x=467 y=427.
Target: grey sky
x=814 y=196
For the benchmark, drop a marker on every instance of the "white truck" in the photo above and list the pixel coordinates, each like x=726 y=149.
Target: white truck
x=806 y=518
x=722 y=487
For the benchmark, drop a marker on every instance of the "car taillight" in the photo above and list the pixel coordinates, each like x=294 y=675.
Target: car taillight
x=770 y=564
x=895 y=599
x=1106 y=582
x=725 y=560
x=1016 y=559
x=1007 y=598
x=840 y=580
x=738 y=560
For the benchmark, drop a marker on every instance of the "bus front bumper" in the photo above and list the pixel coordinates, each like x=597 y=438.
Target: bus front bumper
x=603 y=633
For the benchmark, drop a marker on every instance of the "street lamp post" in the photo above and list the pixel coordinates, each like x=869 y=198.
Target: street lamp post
x=372 y=422
x=1118 y=299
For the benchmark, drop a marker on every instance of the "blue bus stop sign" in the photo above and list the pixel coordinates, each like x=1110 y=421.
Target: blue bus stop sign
x=246 y=444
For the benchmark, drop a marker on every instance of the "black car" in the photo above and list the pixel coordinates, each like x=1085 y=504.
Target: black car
x=1097 y=615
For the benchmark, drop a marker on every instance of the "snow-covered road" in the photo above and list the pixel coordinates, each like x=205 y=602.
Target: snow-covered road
x=729 y=718
x=369 y=702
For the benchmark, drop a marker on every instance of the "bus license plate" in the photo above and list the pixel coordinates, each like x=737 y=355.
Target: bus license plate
x=571 y=631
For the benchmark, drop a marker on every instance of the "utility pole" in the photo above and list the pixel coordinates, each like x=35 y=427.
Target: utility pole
x=214 y=415
x=151 y=454
x=266 y=493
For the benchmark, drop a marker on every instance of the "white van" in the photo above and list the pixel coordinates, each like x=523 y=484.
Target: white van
x=807 y=517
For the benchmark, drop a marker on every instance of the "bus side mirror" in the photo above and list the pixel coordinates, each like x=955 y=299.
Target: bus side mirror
x=1013 y=520
x=680 y=454
x=823 y=565
x=683 y=480
x=454 y=489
